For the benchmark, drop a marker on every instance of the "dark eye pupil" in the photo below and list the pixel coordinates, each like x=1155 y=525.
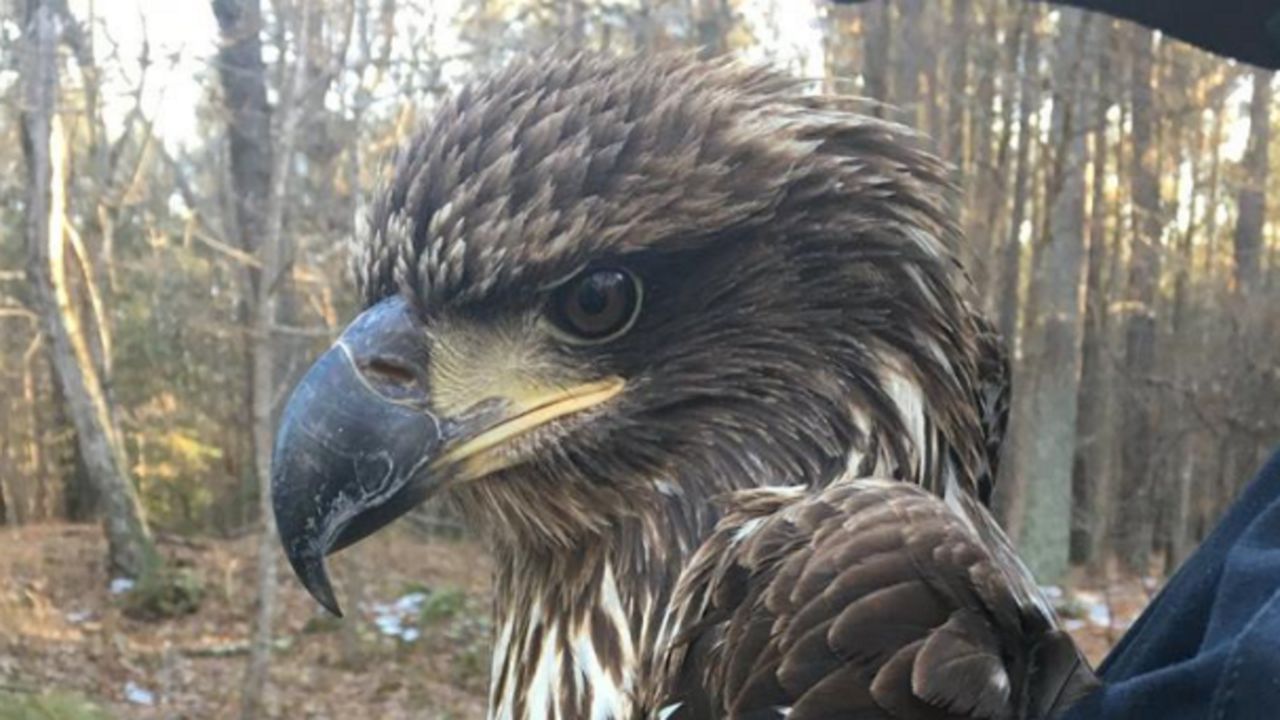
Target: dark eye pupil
x=594 y=294
x=596 y=304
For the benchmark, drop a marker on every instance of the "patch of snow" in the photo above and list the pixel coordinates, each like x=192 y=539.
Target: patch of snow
x=121 y=585
x=411 y=603
x=388 y=624
x=1073 y=624
x=76 y=617
x=1095 y=607
x=1100 y=615
x=138 y=695
x=1053 y=592
x=396 y=619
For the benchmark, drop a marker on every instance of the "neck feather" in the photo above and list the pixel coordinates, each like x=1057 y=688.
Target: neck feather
x=579 y=630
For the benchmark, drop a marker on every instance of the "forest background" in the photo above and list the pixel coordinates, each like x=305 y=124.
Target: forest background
x=180 y=181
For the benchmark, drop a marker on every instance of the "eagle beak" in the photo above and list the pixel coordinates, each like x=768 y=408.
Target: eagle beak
x=359 y=444
x=354 y=443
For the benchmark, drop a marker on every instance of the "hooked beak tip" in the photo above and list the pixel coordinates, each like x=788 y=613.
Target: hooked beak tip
x=311 y=571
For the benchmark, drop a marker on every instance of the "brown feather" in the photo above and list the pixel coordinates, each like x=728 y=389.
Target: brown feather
x=920 y=624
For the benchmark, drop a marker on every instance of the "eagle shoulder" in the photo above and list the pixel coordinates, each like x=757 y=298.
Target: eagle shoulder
x=866 y=599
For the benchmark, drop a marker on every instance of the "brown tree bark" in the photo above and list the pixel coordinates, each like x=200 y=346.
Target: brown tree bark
x=1252 y=197
x=1044 y=422
x=1091 y=468
x=243 y=81
x=878 y=20
x=985 y=226
x=6 y=455
x=907 y=63
x=1137 y=515
x=713 y=20
x=1184 y=463
x=1214 y=498
x=260 y=172
x=242 y=76
x=956 y=91
x=1008 y=499
x=130 y=549
x=1010 y=266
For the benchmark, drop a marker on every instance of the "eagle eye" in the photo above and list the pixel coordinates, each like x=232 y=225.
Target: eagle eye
x=596 y=305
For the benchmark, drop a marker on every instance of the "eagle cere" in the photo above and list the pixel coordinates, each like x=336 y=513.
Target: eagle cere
x=688 y=348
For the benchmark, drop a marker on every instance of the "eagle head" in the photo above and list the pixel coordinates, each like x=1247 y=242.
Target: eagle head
x=600 y=290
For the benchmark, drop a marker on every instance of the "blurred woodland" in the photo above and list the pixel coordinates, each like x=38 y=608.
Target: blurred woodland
x=160 y=292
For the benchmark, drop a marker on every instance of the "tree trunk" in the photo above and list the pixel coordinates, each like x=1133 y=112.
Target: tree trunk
x=130 y=549
x=907 y=63
x=1252 y=199
x=878 y=18
x=6 y=456
x=243 y=79
x=1008 y=499
x=38 y=454
x=1091 y=470
x=1045 y=421
x=242 y=76
x=1137 y=522
x=260 y=171
x=1190 y=441
x=957 y=89
x=1010 y=256
x=985 y=224
x=714 y=20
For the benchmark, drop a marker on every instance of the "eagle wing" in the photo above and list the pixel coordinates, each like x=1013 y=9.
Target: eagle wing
x=869 y=599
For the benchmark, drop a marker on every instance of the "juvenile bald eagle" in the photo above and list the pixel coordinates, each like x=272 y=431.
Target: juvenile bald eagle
x=687 y=347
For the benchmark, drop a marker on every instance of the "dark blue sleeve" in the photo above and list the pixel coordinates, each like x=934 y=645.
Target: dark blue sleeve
x=1208 y=647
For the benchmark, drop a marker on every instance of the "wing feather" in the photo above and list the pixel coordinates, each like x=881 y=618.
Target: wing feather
x=865 y=599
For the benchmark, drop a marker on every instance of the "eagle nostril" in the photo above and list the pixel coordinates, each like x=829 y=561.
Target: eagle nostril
x=389 y=375
x=390 y=371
